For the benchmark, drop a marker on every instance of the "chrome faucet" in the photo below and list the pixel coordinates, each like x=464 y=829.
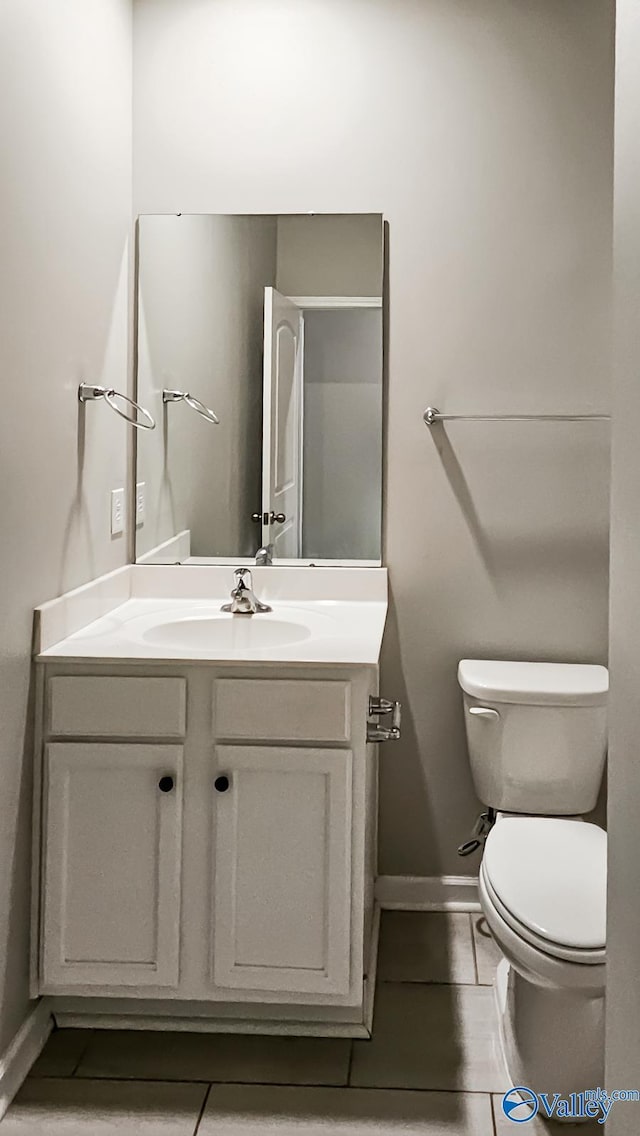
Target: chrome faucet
x=243 y=600
x=264 y=555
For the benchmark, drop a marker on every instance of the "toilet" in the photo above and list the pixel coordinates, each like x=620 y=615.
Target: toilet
x=537 y=736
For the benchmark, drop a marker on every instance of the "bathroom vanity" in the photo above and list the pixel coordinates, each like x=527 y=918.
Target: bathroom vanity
x=206 y=801
x=205 y=780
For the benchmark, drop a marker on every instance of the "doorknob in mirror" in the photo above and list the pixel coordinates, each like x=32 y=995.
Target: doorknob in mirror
x=268 y=518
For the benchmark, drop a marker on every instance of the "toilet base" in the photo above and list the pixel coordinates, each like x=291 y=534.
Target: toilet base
x=552 y=1040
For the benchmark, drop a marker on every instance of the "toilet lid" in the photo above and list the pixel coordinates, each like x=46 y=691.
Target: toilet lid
x=551 y=874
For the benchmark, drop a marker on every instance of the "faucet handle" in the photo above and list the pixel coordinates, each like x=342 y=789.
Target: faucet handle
x=241 y=578
x=243 y=600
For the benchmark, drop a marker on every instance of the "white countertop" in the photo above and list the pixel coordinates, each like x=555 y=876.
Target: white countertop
x=343 y=625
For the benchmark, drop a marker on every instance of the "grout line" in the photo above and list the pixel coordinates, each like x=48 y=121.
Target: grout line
x=421 y=982
x=474 y=950
x=278 y=1085
x=349 y=1067
x=167 y=1080
x=83 y=1053
x=202 y=1110
x=493 y=1115
x=408 y=1089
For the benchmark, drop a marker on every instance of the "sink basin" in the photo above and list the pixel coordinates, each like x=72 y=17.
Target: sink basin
x=225 y=632
x=205 y=630
x=320 y=615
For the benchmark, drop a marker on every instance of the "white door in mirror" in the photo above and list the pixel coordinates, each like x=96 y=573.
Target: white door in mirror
x=282 y=424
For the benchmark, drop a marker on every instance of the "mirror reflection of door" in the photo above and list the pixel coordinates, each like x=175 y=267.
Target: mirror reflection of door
x=282 y=425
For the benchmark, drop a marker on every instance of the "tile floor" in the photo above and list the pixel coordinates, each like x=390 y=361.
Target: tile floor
x=431 y=1069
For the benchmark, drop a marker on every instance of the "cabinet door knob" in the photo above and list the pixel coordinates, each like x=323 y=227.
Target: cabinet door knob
x=221 y=784
x=165 y=784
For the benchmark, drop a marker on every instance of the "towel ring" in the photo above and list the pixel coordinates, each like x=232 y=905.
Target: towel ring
x=89 y=393
x=194 y=403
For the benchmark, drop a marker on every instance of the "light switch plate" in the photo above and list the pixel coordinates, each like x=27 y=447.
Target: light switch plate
x=140 y=503
x=117 y=511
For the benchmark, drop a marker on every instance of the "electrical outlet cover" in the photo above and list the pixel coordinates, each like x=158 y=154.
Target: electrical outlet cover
x=117 y=511
x=140 y=503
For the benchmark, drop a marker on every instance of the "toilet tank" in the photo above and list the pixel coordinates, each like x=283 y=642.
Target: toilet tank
x=536 y=734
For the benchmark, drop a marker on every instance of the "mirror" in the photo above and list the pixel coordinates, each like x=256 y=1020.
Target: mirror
x=259 y=354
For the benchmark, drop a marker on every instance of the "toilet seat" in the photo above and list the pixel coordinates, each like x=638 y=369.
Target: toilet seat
x=546 y=876
x=556 y=950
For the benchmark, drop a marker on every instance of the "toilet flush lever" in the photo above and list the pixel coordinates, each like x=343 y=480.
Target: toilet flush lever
x=481 y=830
x=484 y=712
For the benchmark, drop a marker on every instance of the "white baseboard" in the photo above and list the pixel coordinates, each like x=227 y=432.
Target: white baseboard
x=428 y=893
x=23 y=1050
x=246 y=1026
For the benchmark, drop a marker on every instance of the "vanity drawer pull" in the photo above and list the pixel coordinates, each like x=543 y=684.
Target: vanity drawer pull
x=165 y=784
x=221 y=784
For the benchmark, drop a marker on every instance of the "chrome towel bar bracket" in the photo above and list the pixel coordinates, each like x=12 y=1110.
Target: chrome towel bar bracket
x=194 y=403
x=432 y=416
x=87 y=392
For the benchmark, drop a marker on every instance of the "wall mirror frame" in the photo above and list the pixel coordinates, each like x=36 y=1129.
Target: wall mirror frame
x=259 y=352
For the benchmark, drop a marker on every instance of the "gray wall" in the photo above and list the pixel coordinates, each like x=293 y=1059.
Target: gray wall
x=200 y=329
x=623 y=932
x=330 y=256
x=483 y=130
x=342 y=457
x=65 y=101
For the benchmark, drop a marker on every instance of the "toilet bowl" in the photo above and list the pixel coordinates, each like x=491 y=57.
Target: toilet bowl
x=550 y=928
x=537 y=738
x=543 y=884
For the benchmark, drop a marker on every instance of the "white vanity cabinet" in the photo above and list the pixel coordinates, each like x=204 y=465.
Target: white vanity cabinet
x=111 y=882
x=282 y=864
x=205 y=841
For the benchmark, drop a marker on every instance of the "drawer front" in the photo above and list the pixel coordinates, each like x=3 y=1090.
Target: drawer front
x=109 y=706
x=282 y=709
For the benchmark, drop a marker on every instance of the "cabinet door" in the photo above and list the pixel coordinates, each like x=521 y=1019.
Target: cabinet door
x=282 y=869
x=112 y=865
